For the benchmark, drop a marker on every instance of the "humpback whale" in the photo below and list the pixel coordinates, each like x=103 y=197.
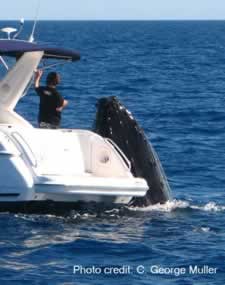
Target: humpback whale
x=115 y=122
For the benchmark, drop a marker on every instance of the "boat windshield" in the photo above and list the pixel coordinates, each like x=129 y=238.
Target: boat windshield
x=5 y=65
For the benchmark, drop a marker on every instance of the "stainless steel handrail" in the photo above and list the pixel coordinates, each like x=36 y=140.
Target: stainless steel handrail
x=34 y=160
x=126 y=160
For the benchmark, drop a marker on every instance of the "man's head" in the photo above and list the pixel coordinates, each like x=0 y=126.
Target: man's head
x=53 y=78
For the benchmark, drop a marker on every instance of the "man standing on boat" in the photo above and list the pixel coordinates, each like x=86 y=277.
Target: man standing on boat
x=51 y=102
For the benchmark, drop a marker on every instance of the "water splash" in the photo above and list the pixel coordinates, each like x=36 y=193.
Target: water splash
x=174 y=205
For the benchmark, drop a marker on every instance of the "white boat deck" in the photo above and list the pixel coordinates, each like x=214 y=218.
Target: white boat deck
x=88 y=184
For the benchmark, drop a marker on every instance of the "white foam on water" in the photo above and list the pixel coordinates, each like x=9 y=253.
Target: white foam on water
x=179 y=204
x=205 y=229
x=201 y=229
x=210 y=207
x=170 y=206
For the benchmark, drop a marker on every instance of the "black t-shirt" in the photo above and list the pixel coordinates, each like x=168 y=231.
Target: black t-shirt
x=50 y=99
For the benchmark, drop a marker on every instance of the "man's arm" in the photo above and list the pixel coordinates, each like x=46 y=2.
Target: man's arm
x=37 y=78
x=65 y=103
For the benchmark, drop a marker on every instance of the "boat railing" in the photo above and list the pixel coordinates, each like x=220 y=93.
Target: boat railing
x=123 y=156
x=26 y=150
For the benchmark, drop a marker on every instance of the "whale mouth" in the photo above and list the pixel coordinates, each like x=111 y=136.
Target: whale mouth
x=115 y=122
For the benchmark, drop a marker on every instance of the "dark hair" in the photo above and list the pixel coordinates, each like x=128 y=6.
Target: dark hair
x=52 y=78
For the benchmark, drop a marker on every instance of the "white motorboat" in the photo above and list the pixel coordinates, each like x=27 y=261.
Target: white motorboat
x=87 y=167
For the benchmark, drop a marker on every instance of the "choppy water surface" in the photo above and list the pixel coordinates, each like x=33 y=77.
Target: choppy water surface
x=171 y=76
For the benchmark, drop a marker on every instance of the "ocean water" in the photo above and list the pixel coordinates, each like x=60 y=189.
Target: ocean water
x=171 y=76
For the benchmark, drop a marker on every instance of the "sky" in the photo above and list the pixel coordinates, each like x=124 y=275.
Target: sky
x=113 y=9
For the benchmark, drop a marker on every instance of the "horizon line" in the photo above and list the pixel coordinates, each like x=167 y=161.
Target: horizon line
x=105 y=20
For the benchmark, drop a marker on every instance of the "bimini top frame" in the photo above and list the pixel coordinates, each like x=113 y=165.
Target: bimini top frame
x=16 y=48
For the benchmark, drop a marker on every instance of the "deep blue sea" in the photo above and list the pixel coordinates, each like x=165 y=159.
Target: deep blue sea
x=171 y=76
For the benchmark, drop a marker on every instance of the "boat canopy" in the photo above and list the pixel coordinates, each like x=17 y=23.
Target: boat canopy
x=16 y=48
